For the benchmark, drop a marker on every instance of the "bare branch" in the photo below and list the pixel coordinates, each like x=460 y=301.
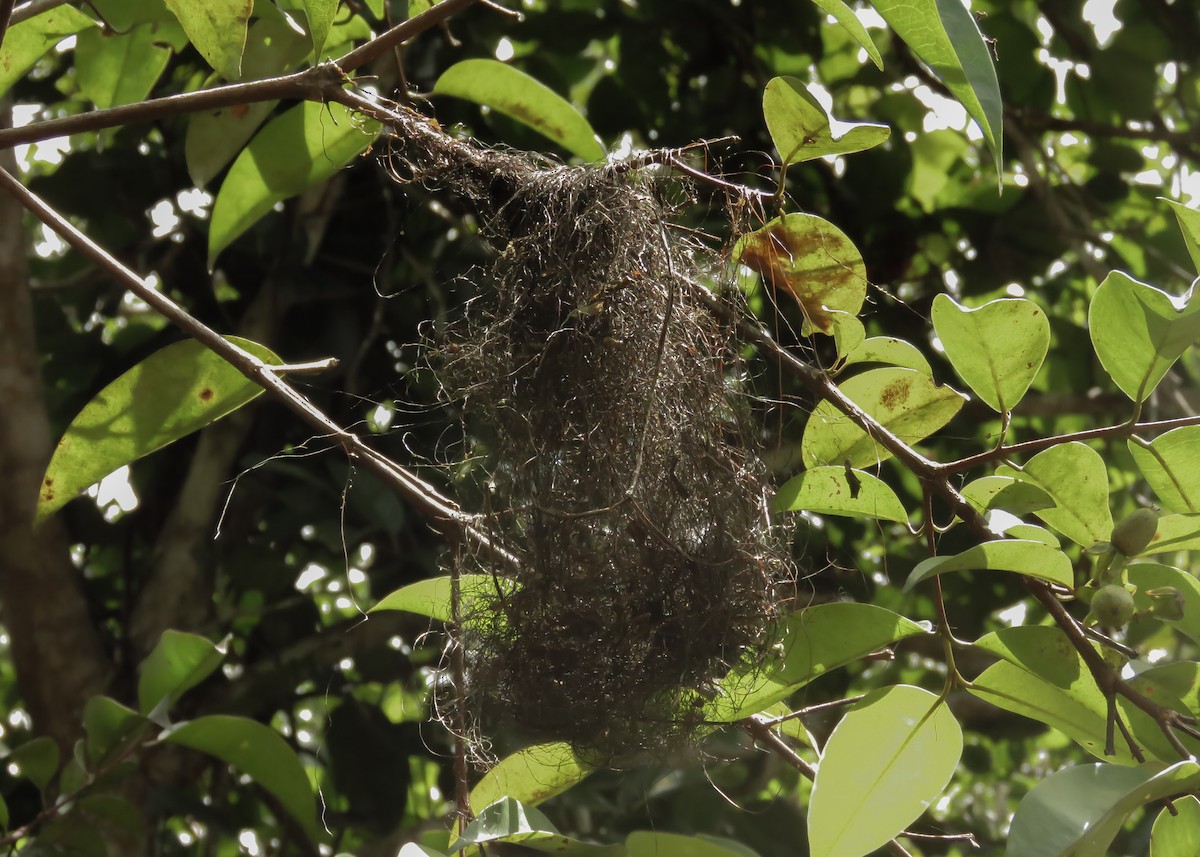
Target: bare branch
x=6 y=13
x=34 y=7
x=442 y=512
x=312 y=84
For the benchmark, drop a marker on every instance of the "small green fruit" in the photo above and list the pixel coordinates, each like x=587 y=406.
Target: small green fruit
x=1113 y=606
x=1134 y=534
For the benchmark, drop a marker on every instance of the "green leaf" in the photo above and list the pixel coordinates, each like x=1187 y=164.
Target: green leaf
x=218 y=30
x=1030 y=558
x=320 y=19
x=257 y=751
x=413 y=849
x=848 y=333
x=846 y=17
x=172 y=393
x=533 y=775
x=809 y=644
x=884 y=764
x=801 y=129
x=1076 y=477
x=1177 y=835
x=1189 y=225
x=26 y=42
x=1080 y=810
x=3 y=815
x=1140 y=331
x=997 y=348
x=648 y=843
x=431 y=597
x=841 y=491
x=523 y=98
x=907 y=403
x=36 y=760
x=812 y=261
x=944 y=35
x=110 y=728
x=889 y=351
x=178 y=663
x=120 y=68
x=1175 y=533
x=214 y=137
x=1043 y=677
x=295 y=150
x=510 y=821
x=1004 y=492
x=1153 y=575
x=1171 y=464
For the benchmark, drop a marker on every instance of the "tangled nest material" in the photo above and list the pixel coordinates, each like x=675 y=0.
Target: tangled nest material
x=621 y=459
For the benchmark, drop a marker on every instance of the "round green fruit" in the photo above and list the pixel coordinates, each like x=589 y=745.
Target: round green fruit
x=1134 y=534
x=1113 y=606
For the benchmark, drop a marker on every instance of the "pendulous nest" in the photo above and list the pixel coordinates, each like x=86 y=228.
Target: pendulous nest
x=622 y=469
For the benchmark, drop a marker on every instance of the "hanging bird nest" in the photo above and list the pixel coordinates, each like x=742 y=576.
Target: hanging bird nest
x=620 y=456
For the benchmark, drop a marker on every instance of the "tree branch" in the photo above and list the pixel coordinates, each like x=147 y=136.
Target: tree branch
x=1038 y=444
x=34 y=7
x=442 y=512
x=313 y=84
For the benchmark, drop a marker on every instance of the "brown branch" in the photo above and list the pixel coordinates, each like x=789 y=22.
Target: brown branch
x=313 y=84
x=1038 y=444
x=442 y=512
x=935 y=477
x=34 y=7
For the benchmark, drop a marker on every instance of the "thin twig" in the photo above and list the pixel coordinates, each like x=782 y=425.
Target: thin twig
x=812 y=709
x=442 y=512
x=312 y=84
x=1038 y=444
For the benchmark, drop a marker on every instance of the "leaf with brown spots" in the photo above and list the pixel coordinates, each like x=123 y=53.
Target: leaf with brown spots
x=170 y=394
x=905 y=402
x=811 y=260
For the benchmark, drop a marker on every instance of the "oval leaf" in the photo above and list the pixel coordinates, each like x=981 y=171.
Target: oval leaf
x=169 y=395
x=295 y=150
x=1080 y=810
x=841 y=491
x=509 y=820
x=1152 y=575
x=1031 y=558
x=1045 y=678
x=257 y=751
x=1175 y=533
x=813 y=261
x=653 y=843
x=218 y=30
x=110 y=728
x=432 y=597
x=1189 y=225
x=1171 y=464
x=845 y=16
x=884 y=764
x=802 y=130
x=889 y=351
x=533 y=775
x=1076 y=477
x=178 y=663
x=946 y=38
x=120 y=68
x=26 y=42
x=907 y=403
x=810 y=643
x=523 y=98
x=1177 y=835
x=1139 y=331
x=997 y=349
x=214 y=137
